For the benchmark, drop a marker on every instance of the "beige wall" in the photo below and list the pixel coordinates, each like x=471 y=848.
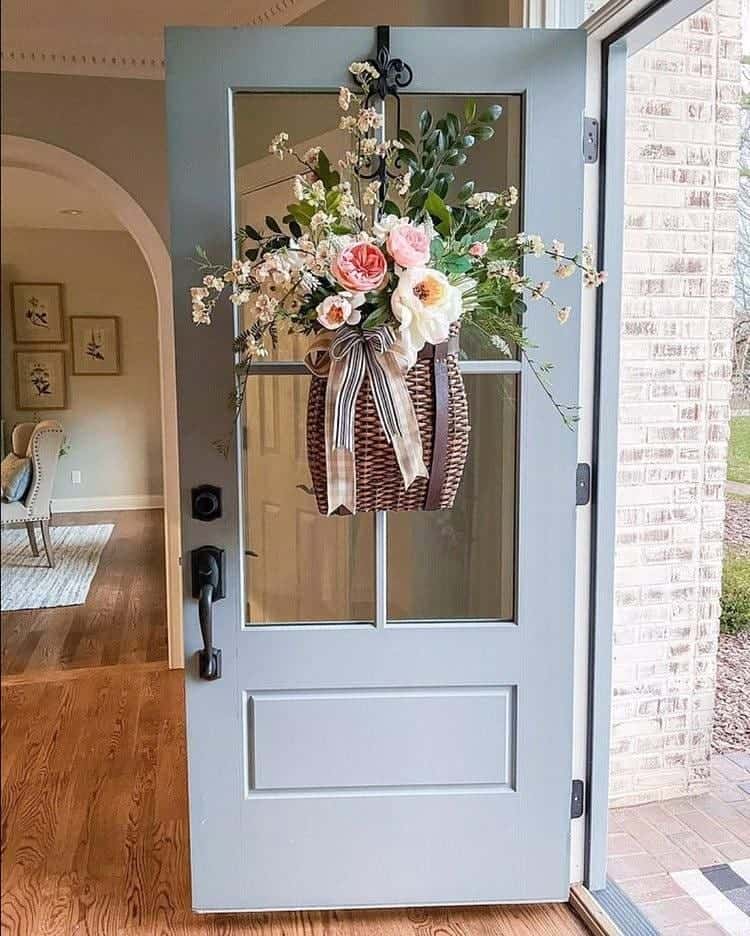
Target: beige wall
x=415 y=13
x=112 y=423
x=118 y=124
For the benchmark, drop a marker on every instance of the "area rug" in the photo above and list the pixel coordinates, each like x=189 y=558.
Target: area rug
x=723 y=891
x=29 y=583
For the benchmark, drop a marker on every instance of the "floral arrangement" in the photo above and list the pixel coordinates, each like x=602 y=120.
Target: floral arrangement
x=366 y=249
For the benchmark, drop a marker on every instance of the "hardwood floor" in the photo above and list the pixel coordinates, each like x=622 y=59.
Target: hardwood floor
x=124 y=619
x=94 y=832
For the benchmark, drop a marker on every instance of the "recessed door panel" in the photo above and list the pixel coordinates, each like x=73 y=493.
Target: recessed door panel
x=371 y=739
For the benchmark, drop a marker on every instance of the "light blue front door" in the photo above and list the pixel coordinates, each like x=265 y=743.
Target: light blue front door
x=393 y=722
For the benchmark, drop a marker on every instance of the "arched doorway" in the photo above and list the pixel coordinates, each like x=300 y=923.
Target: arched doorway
x=52 y=160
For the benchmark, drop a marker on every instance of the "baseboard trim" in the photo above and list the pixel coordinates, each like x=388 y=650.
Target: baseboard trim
x=118 y=502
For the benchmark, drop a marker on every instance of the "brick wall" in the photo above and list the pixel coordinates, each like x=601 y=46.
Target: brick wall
x=682 y=140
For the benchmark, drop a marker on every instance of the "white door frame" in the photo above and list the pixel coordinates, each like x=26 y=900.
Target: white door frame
x=26 y=153
x=617 y=30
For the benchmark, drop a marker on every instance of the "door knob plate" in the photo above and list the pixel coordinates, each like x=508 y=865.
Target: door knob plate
x=200 y=563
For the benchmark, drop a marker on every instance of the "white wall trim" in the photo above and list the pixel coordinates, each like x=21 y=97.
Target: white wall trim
x=64 y=505
x=119 y=54
x=55 y=161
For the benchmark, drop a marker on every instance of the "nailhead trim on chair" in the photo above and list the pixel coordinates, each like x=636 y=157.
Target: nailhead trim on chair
x=37 y=482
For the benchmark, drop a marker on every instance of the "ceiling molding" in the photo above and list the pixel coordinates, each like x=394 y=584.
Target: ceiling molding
x=105 y=58
x=112 y=54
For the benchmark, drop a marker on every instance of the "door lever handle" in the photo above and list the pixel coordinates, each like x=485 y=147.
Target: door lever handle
x=208 y=586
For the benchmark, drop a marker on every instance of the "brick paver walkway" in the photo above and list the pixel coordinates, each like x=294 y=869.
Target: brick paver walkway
x=648 y=842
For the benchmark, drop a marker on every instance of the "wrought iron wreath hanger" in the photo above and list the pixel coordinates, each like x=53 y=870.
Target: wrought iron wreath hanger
x=393 y=76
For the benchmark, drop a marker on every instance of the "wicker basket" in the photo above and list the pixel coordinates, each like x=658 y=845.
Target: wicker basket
x=439 y=396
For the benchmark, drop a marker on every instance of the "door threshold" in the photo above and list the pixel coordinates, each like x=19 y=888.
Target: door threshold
x=591 y=913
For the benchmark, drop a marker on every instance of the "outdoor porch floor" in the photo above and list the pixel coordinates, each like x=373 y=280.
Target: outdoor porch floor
x=648 y=843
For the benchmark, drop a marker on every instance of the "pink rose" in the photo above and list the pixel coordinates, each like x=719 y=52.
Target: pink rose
x=409 y=245
x=360 y=268
x=478 y=249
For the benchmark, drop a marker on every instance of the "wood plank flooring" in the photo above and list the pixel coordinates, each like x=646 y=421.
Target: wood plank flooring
x=94 y=831
x=124 y=619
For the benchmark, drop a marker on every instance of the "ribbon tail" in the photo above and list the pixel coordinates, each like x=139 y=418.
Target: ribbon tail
x=340 y=474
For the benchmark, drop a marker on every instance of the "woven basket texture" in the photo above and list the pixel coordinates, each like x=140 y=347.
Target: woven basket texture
x=379 y=482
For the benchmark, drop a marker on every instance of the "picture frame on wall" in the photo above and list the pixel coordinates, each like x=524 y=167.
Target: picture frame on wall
x=96 y=345
x=41 y=381
x=37 y=313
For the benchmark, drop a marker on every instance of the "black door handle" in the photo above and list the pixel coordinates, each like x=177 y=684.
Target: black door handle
x=208 y=586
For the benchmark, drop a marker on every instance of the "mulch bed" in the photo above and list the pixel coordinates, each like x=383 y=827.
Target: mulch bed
x=732 y=712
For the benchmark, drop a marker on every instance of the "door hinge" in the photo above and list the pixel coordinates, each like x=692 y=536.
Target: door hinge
x=583 y=484
x=576 y=799
x=590 y=139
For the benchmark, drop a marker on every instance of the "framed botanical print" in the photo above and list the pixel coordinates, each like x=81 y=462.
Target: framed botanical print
x=40 y=380
x=37 y=313
x=96 y=345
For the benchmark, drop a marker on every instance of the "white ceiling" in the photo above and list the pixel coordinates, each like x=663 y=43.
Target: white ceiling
x=35 y=200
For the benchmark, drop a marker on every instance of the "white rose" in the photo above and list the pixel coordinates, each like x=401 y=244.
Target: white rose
x=426 y=305
x=383 y=227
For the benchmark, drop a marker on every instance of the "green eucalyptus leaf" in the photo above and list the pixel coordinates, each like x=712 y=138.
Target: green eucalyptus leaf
x=250 y=232
x=272 y=224
x=406 y=137
x=390 y=207
x=483 y=132
x=441 y=187
x=453 y=124
x=428 y=143
x=490 y=114
x=252 y=254
x=456 y=158
x=466 y=191
x=295 y=228
x=470 y=111
x=425 y=122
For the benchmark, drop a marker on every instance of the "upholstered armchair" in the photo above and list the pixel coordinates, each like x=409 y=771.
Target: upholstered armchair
x=41 y=442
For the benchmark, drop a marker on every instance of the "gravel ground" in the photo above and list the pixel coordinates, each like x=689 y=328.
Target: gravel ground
x=732 y=714
x=737 y=525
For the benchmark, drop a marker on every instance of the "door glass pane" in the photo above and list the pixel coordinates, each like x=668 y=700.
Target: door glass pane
x=494 y=165
x=264 y=182
x=460 y=564
x=301 y=567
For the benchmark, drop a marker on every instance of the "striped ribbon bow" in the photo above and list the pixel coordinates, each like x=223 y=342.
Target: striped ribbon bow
x=352 y=354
